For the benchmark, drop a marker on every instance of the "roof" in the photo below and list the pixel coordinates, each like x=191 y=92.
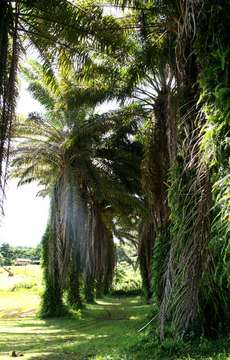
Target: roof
x=25 y=260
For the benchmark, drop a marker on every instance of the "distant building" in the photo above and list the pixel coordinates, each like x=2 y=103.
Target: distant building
x=36 y=262
x=20 y=261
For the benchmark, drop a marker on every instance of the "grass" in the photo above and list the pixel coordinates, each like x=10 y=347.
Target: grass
x=106 y=330
x=100 y=331
x=150 y=347
x=20 y=294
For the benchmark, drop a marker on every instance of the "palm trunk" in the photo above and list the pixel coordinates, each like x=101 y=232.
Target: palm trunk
x=9 y=53
x=52 y=304
x=100 y=259
x=99 y=288
x=145 y=254
x=89 y=286
x=189 y=194
x=73 y=289
x=160 y=150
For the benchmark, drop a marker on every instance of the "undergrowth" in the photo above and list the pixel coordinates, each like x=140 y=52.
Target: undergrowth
x=127 y=281
x=150 y=347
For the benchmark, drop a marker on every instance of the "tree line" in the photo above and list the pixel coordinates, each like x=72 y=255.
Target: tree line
x=8 y=253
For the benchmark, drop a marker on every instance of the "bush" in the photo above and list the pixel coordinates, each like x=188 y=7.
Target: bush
x=23 y=285
x=127 y=281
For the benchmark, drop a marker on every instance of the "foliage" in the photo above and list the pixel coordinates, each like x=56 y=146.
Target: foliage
x=154 y=172
x=57 y=38
x=2 y=260
x=33 y=253
x=214 y=83
x=175 y=348
x=88 y=155
x=9 y=53
x=127 y=253
x=52 y=303
x=191 y=210
x=10 y=253
x=7 y=253
x=127 y=279
x=160 y=260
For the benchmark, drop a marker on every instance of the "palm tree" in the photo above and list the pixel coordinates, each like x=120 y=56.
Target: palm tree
x=59 y=31
x=70 y=153
x=189 y=267
x=148 y=80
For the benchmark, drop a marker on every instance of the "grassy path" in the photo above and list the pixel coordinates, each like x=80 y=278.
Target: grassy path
x=101 y=331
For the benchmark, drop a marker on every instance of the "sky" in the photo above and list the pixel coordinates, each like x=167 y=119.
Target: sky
x=26 y=214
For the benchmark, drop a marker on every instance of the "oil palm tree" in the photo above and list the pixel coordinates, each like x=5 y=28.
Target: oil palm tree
x=69 y=152
x=149 y=81
x=59 y=31
x=189 y=266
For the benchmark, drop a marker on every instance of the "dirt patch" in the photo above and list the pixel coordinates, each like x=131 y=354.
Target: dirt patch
x=27 y=313
x=18 y=314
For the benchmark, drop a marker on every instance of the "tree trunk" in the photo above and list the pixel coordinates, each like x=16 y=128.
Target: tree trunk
x=73 y=289
x=89 y=286
x=145 y=254
x=52 y=304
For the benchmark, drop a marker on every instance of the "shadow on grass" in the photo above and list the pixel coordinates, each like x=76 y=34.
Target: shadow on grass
x=105 y=329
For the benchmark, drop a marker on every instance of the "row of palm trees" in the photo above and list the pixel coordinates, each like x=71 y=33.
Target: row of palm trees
x=149 y=167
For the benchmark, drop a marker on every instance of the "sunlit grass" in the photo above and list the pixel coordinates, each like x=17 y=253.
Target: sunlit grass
x=20 y=294
x=101 y=332
x=23 y=276
x=18 y=304
x=106 y=330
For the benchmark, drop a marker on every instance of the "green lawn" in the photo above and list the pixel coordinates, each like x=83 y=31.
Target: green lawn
x=101 y=331
x=20 y=294
x=106 y=330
